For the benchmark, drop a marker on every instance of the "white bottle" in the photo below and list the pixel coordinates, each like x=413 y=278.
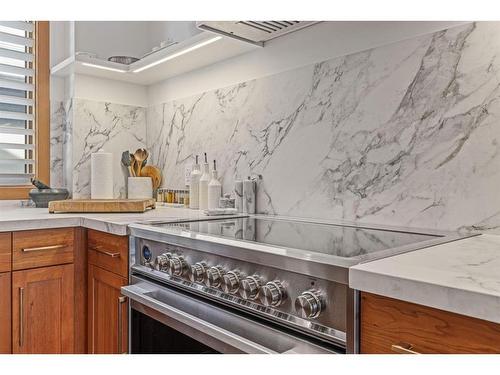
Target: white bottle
x=194 y=186
x=214 y=190
x=203 y=186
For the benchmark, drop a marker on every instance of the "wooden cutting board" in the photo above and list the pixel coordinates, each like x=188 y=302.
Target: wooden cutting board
x=101 y=205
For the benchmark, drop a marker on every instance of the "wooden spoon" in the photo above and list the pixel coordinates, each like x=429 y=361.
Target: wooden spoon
x=132 y=166
x=154 y=173
x=140 y=155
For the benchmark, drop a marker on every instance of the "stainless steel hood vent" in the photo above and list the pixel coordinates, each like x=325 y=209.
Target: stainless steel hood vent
x=255 y=32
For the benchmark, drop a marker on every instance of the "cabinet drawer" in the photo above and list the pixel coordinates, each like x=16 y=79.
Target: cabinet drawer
x=40 y=248
x=109 y=252
x=394 y=326
x=5 y=251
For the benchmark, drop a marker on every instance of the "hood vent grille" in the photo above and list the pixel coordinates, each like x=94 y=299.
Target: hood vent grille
x=255 y=32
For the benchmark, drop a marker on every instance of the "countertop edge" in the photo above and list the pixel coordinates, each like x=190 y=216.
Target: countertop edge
x=459 y=301
x=34 y=224
x=65 y=222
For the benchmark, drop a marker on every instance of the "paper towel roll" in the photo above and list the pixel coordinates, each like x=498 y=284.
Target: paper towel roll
x=101 y=175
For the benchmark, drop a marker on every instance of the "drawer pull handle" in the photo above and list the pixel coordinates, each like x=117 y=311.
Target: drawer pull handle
x=43 y=248
x=21 y=317
x=109 y=254
x=403 y=348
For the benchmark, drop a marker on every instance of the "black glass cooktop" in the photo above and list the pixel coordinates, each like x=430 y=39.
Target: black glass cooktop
x=338 y=240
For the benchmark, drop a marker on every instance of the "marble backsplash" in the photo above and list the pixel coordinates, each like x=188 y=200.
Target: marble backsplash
x=80 y=127
x=403 y=134
x=108 y=127
x=58 y=130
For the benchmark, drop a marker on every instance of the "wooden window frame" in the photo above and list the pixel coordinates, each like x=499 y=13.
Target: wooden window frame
x=42 y=114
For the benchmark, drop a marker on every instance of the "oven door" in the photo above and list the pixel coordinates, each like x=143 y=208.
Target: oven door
x=165 y=320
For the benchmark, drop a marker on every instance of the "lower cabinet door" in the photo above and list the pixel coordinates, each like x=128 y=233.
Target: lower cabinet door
x=108 y=313
x=5 y=314
x=43 y=310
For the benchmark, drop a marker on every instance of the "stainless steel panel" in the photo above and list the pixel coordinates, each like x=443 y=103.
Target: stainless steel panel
x=331 y=323
x=218 y=328
x=255 y=32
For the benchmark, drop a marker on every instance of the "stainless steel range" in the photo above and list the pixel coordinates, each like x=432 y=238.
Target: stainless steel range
x=254 y=284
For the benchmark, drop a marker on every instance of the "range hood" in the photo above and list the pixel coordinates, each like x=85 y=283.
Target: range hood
x=255 y=32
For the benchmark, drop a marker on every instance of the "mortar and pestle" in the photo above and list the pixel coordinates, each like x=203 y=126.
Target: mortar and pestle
x=44 y=194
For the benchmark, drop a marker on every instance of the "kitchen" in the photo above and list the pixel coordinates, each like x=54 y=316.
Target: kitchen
x=279 y=187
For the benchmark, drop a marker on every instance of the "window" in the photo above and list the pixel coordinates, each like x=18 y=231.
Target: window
x=24 y=106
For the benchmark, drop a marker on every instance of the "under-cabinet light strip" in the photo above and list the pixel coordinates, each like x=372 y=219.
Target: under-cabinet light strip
x=177 y=54
x=104 y=67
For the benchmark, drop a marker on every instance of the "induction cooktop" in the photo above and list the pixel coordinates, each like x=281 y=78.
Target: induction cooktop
x=345 y=241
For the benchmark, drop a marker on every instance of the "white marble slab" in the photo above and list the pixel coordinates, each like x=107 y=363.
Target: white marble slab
x=57 y=133
x=15 y=218
x=103 y=126
x=461 y=276
x=403 y=134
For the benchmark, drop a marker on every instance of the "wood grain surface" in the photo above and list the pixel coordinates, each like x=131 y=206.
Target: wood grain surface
x=5 y=313
x=101 y=205
x=43 y=310
x=104 y=304
x=42 y=247
x=108 y=251
x=5 y=251
x=386 y=322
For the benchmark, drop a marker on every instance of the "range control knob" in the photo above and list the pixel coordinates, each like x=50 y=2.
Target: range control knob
x=309 y=304
x=250 y=287
x=177 y=266
x=163 y=261
x=197 y=272
x=146 y=254
x=214 y=276
x=231 y=282
x=273 y=293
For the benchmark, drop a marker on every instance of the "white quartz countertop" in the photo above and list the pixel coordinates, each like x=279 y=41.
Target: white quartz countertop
x=461 y=276
x=13 y=217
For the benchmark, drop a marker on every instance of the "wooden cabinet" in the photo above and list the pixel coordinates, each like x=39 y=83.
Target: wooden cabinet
x=43 y=310
x=108 y=251
x=394 y=326
x=107 y=312
x=5 y=251
x=5 y=293
x=5 y=313
x=107 y=308
x=40 y=248
x=60 y=291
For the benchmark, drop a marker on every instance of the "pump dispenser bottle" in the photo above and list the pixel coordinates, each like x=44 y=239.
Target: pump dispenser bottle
x=203 y=186
x=194 y=186
x=214 y=190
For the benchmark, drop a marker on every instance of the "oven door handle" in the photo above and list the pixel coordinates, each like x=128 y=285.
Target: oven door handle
x=219 y=335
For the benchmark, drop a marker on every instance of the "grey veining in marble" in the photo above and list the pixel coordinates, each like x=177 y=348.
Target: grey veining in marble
x=68 y=147
x=402 y=134
x=249 y=196
x=103 y=126
x=57 y=130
